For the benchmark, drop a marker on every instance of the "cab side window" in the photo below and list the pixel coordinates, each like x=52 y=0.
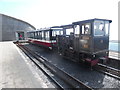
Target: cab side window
x=77 y=30
x=107 y=26
x=42 y=35
x=47 y=35
x=86 y=29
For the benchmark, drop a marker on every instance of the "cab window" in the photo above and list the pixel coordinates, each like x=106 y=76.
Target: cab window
x=86 y=28
x=99 y=28
x=77 y=30
x=107 y=26
x=47 y=35
x=42 y=35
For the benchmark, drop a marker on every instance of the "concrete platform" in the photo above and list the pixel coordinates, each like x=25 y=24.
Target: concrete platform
x=14 y=71
x=114 y=55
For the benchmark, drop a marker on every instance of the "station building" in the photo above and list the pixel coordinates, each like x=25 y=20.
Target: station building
x=12 y=29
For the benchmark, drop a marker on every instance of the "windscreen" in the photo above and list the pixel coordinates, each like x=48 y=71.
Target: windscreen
x=101 y=28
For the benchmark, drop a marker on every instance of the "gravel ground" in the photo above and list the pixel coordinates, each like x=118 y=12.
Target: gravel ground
x=91 y=78
x=114 y=64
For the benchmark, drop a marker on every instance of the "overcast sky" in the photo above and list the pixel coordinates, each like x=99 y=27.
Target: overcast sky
x=47 y=13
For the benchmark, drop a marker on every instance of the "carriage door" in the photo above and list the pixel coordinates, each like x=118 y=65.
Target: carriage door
x=19 y=35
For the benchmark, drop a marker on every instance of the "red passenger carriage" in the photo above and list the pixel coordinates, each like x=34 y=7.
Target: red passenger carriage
x=45 y=37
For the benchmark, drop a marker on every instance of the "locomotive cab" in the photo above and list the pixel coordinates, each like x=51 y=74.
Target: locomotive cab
x=101 y=38
x=91 y=39
x=88 y=42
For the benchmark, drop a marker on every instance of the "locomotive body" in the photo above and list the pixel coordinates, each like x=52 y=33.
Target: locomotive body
x=89 y=41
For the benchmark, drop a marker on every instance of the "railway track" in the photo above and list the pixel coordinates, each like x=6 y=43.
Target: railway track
x=112 y=62
x=39 y=66
x=108 y=70
x=71 y=81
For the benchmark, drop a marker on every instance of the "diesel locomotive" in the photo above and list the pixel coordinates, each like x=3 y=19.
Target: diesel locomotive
x=87 y=41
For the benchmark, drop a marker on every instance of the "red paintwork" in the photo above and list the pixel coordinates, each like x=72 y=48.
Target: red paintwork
x=42 y=43
x=92 y=62
x=29 y=40
x=88 y=60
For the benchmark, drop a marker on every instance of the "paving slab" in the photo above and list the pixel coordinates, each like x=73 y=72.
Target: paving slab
x=114 y=55
x=14 y=71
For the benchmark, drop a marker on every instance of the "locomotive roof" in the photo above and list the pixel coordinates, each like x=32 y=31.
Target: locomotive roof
x=67 y=26
x=55 y=27
x=91 y=20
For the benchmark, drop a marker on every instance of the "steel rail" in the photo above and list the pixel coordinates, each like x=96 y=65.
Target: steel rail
x=108 y=70
x=36 y=63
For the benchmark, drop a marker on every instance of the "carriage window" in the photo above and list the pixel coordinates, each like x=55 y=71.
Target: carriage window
x=106 y=28
x=31 y=35
x=61 y=32
x=55 y=32
x=47 y=38
x=42 y=35
x=68 y=31
x=99 y=28
x=77 y=29
x=37 y=35
x=83 y=29
x=47 y=35
x=34 y=35
x=86 y=28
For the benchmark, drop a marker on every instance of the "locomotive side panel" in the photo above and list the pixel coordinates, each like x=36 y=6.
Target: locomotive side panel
x=90 y=41
x=101 y=43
